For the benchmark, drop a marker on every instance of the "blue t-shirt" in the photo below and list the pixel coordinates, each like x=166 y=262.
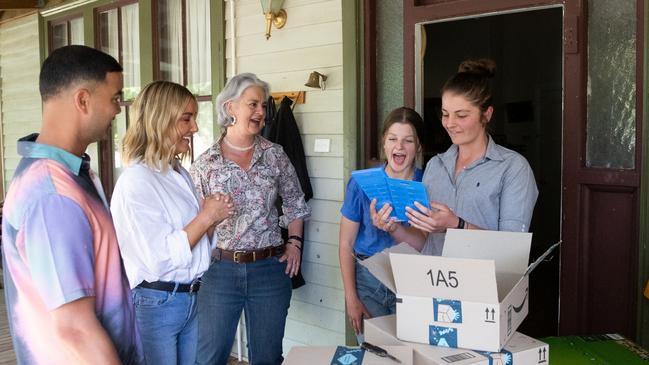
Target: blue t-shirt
x=356 y=208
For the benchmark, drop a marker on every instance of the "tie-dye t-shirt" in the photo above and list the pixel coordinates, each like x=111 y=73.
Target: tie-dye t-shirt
x=59 y=245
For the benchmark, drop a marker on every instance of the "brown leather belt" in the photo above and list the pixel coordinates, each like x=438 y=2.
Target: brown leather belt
x=242 y=257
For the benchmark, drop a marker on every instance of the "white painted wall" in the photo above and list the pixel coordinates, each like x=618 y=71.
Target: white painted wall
x=310 y=41
x=21 y=102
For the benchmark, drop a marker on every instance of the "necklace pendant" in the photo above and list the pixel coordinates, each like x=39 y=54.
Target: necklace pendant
x=237 y=148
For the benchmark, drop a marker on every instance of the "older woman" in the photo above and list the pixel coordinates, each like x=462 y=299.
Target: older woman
x=162 y=225
x=251 y=266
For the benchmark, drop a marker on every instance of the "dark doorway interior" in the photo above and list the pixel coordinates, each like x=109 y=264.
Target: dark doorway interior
x=527 y=48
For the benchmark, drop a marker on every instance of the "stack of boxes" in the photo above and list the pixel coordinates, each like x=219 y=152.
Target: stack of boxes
x=474 y=297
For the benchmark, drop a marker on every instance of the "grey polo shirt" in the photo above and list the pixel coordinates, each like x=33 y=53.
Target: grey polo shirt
x=497 y=192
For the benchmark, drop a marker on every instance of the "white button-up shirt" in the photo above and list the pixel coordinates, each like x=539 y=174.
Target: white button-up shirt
x=150 y=209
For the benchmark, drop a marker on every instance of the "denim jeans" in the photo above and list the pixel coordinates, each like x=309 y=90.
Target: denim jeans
x=377 y=298
x=263 y=291
x=168 y=325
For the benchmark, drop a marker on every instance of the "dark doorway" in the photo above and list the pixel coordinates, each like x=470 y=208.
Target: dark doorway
x=527 y=48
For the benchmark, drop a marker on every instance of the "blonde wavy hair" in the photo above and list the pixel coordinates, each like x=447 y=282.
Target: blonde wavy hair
x=152 y=135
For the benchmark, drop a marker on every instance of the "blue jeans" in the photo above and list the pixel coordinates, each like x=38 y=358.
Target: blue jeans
x=377 y=298
x=262 y=290
x=168 y=325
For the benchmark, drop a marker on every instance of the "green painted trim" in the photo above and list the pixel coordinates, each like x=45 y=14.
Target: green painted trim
x=145 y=9
x=43 y=44
x=351 y=100
x=642 y=321
x=89 y=26
x=217 y=42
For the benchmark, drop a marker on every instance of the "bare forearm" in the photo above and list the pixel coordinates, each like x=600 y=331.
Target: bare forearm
x=347 y=268
x=94 y=347
x=346 y=240
x=296 y=228
x=410 y=235
x=196 y=229
x=81 y=334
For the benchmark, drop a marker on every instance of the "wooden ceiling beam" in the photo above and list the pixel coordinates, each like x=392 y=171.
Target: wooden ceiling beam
x=21 y=4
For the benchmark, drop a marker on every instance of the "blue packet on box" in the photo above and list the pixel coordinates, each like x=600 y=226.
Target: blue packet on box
x=348 y=356
x=376 y=184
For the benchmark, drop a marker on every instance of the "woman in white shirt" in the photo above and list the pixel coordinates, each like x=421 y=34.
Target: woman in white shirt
x=163 y=228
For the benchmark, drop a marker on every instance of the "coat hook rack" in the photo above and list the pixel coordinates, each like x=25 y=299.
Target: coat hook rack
x=297 y=96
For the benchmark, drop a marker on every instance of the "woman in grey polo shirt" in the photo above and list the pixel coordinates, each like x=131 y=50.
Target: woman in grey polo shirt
x=476 y=183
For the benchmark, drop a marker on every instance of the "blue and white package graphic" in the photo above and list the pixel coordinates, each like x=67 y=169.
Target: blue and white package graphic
x=447 y=310
x=348 y=356
x=503 y=357
x=442 y=336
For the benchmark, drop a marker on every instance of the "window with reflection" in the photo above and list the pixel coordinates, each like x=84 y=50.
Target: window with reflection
x=183 y=56
x=65 y=32
x=118 y=34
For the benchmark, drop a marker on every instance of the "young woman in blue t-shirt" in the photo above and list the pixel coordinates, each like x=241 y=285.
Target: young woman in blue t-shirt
x=365 y=296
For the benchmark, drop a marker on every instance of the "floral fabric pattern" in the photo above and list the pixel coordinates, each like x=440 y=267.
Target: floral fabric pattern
x=256 y=223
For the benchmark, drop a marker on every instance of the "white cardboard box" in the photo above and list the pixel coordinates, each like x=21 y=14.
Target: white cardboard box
x=520 y=350
x=318 y=355
x=473 y=296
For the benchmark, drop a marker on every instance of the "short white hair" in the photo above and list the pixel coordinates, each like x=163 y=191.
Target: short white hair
x=232 y=91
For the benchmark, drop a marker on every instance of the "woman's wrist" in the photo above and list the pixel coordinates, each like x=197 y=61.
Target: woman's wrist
x=295 y=243
x=461 y=223
x=295 y=240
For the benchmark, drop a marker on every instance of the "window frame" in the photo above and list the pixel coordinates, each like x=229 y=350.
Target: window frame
x=105 y=149
x=157 y=73
x=57 y=21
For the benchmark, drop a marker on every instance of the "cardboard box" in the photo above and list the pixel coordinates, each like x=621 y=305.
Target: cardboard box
x=473 y=296
x=312 y=355
x=520 y=350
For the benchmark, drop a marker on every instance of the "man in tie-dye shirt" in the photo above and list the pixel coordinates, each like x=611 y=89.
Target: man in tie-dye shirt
x=67 y=296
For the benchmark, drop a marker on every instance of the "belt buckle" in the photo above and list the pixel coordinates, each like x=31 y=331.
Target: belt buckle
x=236 y=256
x=194 y=286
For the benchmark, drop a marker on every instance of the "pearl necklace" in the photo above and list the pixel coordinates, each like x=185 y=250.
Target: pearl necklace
x=237 y=148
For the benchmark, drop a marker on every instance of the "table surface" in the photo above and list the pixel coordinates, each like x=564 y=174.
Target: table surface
x=595 y=350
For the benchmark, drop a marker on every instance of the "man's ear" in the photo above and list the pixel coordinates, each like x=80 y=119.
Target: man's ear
x=82 y=100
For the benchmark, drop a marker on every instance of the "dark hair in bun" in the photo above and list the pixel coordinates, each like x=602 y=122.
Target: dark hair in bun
x=473 y=81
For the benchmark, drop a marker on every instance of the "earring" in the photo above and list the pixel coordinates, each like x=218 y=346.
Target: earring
x=234 y=120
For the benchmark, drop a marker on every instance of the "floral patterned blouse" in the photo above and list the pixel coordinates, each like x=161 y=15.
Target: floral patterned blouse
x=256 y=224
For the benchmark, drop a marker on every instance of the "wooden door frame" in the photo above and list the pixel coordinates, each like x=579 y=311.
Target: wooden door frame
x=577 y=178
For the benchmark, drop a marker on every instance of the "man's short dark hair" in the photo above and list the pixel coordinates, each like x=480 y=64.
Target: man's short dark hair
x=70 y=64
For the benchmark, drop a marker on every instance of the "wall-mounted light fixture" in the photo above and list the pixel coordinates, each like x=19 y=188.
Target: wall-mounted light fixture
x=315 y=80
x=274 y=14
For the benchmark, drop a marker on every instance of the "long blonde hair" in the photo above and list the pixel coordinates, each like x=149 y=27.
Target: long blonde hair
x=151 y=135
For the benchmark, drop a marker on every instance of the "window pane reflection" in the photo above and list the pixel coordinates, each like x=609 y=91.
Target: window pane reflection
x=93 y=152
x=118 y=132
x=198 y=47
x=611 y=92
x=204 y=138
x=76 y=31
x=59 y=35
x=108 y=33
x=170 y=40
x=131 y=50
